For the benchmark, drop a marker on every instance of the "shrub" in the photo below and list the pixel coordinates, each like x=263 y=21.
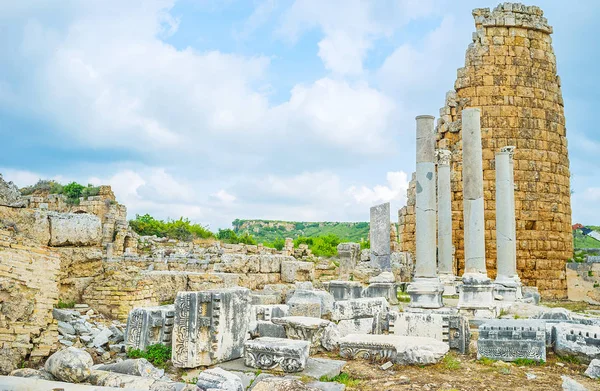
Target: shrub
x=157 y=354
x=43 y=186
x=181 y=229
x=365 y=244
x=65 y=304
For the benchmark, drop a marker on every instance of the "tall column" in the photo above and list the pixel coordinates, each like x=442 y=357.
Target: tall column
x=508 y=284
x=426 y=290
x=476 y=294
x=445 y=257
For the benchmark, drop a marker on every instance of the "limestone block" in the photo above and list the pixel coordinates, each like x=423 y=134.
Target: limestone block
x=345 y=290
x=349 y=255
x=70 y=365
x=304 y=304
x=32 y=374
x=582 y=341
x=262 y=328
x=219 y=379
x=356 y=326
x=268 y=312
x=293 y=271
x=238 y=263
x=210 y=326
x=382 y=289
x=400 y=350
x=287 y=355
x=593 y=370
x=509 y=340
x=282 y=384
x=359 y=308
x=74 y=229
x=321 y=333
x=106 y=378
x=149 y=325
x=569 y=384
x=135 y=367
x=11 y=383
x=380 y=236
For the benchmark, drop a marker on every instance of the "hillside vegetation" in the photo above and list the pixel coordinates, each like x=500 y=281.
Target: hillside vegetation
x=268 y=231
x=581 y=241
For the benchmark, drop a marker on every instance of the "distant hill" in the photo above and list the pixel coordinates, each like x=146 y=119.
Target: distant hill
x=270 y=230
x=581 y=241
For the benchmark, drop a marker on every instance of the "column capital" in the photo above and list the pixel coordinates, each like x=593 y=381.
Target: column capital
x=443 y=156
x=510 y=149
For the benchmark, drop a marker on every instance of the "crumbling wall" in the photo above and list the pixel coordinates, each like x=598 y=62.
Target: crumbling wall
x=510 y=73
x=28 y=292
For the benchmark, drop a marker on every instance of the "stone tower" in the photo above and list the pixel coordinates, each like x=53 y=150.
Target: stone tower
x=510 y=73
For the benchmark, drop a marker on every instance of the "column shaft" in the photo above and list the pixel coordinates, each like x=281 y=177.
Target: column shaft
x=445 y=264
x=505 y=217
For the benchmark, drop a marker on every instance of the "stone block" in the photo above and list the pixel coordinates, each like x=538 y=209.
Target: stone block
x=452 y=329
x=149 y=325
x=349 y=255
x=359 y=308
x=135 y=367
x=398 y=349
x=356 y=326
x=345 y=290
x=287 y=355
x=293 y=271
x=582 y=341
x=219 y=379
x=74 y=229
x=302 y=303
x=210 y=326
x=322 y=334
x=380 y=236
x=382 y=289
x=238 y=263
x=263 y=328
x=593 y=370
x=315 y=367
x=267 y=312
x=509 y=340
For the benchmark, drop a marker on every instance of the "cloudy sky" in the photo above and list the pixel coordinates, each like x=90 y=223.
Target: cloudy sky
x=278 y=109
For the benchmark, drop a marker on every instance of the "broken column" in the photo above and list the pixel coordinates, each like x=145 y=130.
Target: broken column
x=426 y=290
x=476 y=294
x=380 y=237
x=508 y=284
x=210 y=326
x=445 y=257
x=349 y=254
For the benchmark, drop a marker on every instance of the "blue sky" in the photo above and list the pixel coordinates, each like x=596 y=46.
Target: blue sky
x=216 y=110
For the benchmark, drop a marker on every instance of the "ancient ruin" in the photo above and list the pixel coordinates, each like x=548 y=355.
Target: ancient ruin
x=86 y=302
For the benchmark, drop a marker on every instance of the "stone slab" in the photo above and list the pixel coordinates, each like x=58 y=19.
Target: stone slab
x=509 y=340
x=356 y=326
x=322 y=334
x=315 y=367
x=359 y=308
x=345 y=290
x=276 y=353
x=13 y=383
x=293 y=271
x=578 y=340
x=379 y=235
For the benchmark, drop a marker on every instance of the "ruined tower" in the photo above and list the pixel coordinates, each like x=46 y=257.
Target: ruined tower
x=510 y=73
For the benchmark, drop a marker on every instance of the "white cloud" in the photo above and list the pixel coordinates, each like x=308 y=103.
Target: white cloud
x=394 y=192
x=224 y=196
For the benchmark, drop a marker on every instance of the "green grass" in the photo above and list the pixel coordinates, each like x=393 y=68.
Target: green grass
x=569 y=359
x=403 y=297
x=342 y=378
x=527 y=362
x=158 y=354
x=486 y=361
x=582 y=241
x=65 y=304
x=450 y=362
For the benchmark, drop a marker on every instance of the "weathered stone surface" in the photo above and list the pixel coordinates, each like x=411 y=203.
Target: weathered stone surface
x=267 y=312
x=70 y=365
x=293 y=271
x=356 y=326
x=379 y=235
x=62 y=315
x=577 y=340
x=13 y=383
x=210 y=326
x=74 y=229
x=32 y=373
x=261 y=328
x=302 y=303
x=509 y=340
x=401 y=350
x=315 y=367
x=282 y=384
x=276 y=353
x=402 y=266
x=569 y=384
x=149 y=325
x=321 y=333
x=349 y=255
x=10 y=195
x=135 y=367
x=359 y=308
x=382 y=289
x=345 y=290
x=219 y=379
x=593 y=370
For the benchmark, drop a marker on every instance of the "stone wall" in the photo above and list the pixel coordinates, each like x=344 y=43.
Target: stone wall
x=583 y=282
x=28 y=292
x=510 y=73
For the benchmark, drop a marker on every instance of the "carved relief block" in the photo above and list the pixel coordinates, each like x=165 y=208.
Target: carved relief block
x=509 y=340
x=276 y=353
x=149 y=325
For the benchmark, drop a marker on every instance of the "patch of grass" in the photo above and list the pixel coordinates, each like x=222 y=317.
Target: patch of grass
x=528 y=362
x=158 y=354
x=403 y=297
x=590 y=273
x=486 y=361
x=450 y=362
x=569 y=359
x=64 y=304
x=342 y=378
x=167 y=302
x=504 y=371
x=517 y=316
x=502 y=313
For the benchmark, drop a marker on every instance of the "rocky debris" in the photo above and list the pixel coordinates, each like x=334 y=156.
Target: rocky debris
x=32 y=373
x=593 y=370
x=282 y=384
x=105 y=378
x=70 y=365
x=219 y=379
x=10 y=195
x=569 y=384
x=135 y=367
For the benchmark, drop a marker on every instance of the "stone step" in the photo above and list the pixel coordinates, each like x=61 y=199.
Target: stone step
x=288 y=355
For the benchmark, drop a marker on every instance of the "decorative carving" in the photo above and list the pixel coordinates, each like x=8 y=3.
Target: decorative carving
x=443 y=156
x=509 y=340
x=149 y=325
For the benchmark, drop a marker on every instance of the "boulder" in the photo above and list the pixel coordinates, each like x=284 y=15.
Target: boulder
x=593 y=370
x=70 y=365
x=220 y=379
x=32 y=373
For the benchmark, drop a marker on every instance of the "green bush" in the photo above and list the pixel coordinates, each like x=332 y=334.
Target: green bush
x=342 y=378
x=365 y=244
x=158 y=354
x=65 y=304
x=44 y=186
x=181 y=229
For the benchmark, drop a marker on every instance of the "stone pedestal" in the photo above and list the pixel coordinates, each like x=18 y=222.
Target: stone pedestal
x=507 y=282
x=476 y=295
x=426 y=290
x=379 y=235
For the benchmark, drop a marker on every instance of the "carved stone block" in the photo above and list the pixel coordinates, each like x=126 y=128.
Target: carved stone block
x=345 y=290
x=582 y=341
x=509 y=340
x=149 y=326
x=210 y=326
x=276 y=353
x=322 y=334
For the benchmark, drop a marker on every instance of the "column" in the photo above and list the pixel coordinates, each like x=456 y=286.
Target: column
x=508 y=284
x=476 y=294
x=426 y=290
x=379 y=234
x=445 y=257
